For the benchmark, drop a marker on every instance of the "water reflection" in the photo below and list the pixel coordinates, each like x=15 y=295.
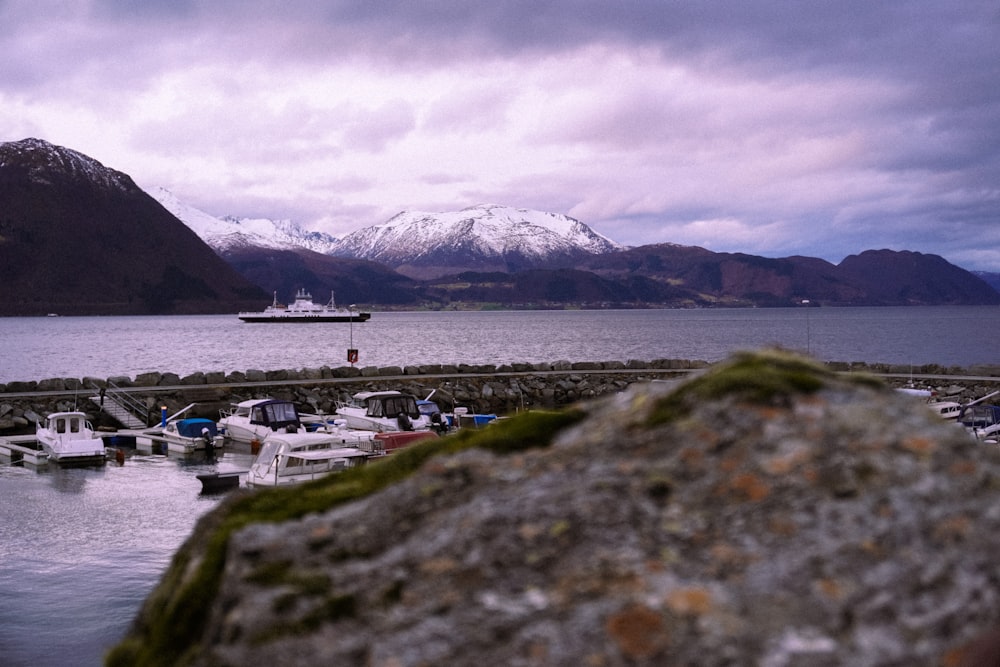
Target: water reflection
x=80 y=548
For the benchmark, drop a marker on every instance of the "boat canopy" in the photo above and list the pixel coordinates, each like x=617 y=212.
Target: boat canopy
x=275 y=414
x=391 y=405
x=192 y=428
x=980 y=416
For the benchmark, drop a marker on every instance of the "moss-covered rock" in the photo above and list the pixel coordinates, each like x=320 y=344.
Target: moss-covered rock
x=767 y=511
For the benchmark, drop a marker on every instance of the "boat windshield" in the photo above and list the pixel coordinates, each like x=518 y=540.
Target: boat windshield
x=266 y=457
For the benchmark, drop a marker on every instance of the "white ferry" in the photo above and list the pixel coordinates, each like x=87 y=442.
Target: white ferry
x=304 y=310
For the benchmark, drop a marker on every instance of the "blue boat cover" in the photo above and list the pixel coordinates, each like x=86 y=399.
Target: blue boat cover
x=191 y=428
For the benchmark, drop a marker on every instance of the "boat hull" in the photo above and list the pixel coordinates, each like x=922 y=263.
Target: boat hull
x=189 y=445
x=291 y=319
x=219 y=482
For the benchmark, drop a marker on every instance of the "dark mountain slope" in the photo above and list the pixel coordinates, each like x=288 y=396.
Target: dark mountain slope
x=353 y=281
x=78 y=238
x=728 y=278
x=555 y=288
x=873 y=278
x=911 y=278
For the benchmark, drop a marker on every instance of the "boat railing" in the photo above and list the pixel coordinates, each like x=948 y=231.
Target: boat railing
x=373 y=447
x=119 y=396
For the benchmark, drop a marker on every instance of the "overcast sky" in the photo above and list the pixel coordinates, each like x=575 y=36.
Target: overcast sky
x=769 y=127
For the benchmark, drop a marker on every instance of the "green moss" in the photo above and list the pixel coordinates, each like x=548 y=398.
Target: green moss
x=526 y=431
x=332 y=609
x=270 y=574
x=179 y=608
x=559 y=528
x=756 y=377
x=865 y=380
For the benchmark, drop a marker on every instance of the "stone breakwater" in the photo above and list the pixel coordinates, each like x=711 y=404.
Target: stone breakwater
x=504 y=389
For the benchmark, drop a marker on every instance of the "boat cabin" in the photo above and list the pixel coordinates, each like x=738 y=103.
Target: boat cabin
x=66 y=423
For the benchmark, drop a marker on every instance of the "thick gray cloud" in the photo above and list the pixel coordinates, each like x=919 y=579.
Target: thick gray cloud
x=762 y=126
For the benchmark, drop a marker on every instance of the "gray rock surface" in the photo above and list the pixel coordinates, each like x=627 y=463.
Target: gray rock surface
x=765 y=513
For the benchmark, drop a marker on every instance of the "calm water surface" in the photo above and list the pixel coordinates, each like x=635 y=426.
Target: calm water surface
x=80 y=549
x=45 y=347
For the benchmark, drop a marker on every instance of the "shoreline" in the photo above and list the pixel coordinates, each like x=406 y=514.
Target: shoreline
x=169 y=381
x=502 y=390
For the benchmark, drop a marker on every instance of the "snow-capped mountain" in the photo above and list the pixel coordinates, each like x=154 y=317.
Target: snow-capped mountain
x=229 y=233
x=481 y=238
x=43 y=160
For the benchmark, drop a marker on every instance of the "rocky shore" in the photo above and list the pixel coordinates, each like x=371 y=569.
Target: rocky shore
x=505 y=389
x=766 y=511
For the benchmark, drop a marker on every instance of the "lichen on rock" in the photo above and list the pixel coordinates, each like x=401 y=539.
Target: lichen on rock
x=768 y=511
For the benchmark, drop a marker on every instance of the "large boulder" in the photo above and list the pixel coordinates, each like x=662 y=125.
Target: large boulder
x=765 y=512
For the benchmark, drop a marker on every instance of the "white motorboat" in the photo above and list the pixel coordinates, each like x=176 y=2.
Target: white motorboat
x=981 y=420
x=304 y=310
x=291 y=458
x=184 y=436
x=383 y=411
x=946 y=409
x=252 y=420
x=943 y=409
x=69 y=439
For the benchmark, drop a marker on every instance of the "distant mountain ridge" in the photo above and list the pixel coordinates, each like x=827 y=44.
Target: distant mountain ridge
x=229 y=233
x=524 y=258
x=990 y=278
x=487 y=237
x=79 y=238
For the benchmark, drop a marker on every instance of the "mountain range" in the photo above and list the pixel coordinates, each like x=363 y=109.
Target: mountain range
x=80 y=238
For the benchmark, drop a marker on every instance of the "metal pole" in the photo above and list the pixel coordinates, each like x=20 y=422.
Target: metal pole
x=805 y=302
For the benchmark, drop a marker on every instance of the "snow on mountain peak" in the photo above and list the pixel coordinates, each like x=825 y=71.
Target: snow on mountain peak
x=44 y=161
x=231 y=232
x=490 y=230
x=482 y=237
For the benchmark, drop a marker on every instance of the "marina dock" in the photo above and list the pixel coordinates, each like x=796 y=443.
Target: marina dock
x=23 y=448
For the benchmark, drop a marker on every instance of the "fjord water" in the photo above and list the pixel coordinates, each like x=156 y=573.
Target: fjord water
x=47 y=347
x=81 y=548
